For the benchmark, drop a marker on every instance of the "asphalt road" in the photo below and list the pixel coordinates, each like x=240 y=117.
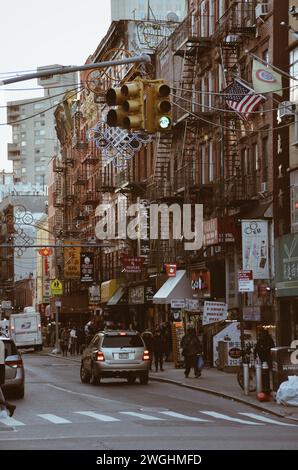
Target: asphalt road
x=58 y=412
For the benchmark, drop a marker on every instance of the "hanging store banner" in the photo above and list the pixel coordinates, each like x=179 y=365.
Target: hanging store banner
x=171 y=270
x=72 y=260
x=136 y=295
x=132 y=264
x=201 y=281
x=214 y=312
x=94 y=295
x=245 y=281
x=87 y=267
x=255 y=252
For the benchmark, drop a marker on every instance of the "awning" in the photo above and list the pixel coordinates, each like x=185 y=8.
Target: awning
x=117 y=296
x=178 y=287
x=107 y=290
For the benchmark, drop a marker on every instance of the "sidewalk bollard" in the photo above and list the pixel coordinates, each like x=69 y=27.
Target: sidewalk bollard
x=245 y=379
x=265 y=378
x=259 y=387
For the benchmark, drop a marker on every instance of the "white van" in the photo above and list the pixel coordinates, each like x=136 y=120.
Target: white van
x=25 y=329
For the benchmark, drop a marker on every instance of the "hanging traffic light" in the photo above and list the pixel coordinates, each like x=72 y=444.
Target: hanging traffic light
x=129 y=106
x=158 y=106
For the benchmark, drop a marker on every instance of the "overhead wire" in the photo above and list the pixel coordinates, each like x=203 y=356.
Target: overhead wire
x=42 y=98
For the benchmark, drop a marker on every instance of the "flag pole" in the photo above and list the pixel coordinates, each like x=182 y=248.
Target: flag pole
x=273 y=67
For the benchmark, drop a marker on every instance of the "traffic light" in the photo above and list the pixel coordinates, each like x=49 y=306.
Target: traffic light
x=158 y=106
x=129 y=110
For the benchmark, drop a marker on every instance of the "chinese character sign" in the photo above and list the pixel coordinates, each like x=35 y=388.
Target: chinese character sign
x=71 y=260
x=255 y=251
x=87 y=267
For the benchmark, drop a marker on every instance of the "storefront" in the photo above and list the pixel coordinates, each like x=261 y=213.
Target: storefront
x=286 y=262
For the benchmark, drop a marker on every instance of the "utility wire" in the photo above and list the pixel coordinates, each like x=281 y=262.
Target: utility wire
x=37 y=114
x=222 y=93
x=41 y=99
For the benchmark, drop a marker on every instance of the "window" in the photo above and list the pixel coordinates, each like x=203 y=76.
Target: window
x=211 y=161
x=24 y=170
x=38 y=105
x=122 y=341
x=255 y=158
x=265 y=159
x=294 y=201
x=39 y=142
x=294 y=73
x=23 y=143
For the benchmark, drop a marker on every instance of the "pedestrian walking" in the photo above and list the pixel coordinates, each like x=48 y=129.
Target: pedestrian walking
x=191 y=347
x=158 y=347
x=64 y=341
x=4 y=405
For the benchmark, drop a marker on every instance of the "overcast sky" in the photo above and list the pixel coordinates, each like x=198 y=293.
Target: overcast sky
x=39 y=32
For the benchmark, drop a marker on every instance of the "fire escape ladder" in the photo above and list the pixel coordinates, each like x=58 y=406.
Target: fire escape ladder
x=163 y=148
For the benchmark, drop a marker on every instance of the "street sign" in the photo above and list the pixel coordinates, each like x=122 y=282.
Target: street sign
x=57 y=303
x=245 y=281
x=56 y=287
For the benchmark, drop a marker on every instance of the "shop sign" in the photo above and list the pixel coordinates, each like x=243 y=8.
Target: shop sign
x=171 y=270
x=94 y=295
x=71 y=260
x=6 y=304
x=46 y=290
x=245 y=281
x=132 y=264
x=150 y=291
x=210 y=228
x=200 y=281
x=177 y=303
x=136 y=295
x=252 y=313
x=255 y=253
x=214 y=312
x=286 y=265
x=192 y=305
x=87 y=267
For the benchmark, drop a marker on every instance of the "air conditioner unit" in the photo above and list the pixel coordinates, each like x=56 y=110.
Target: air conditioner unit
x=286 y=111
x=261 y=10
x=264 y=187
x=92 y=239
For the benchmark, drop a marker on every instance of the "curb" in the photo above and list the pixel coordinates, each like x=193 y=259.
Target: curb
x=195 y=387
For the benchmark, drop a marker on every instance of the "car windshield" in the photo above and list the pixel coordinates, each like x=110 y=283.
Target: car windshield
x=122 y=341
x=10 y=348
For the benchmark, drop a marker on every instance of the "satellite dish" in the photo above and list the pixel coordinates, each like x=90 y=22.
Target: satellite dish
x=172 y=16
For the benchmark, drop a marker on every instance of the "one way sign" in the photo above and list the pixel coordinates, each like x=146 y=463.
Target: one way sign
x=56 y=287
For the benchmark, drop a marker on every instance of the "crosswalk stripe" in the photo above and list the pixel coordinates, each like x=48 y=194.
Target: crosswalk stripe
x=11 y=422
x=98 y=416
x=54 y=419
x=267 y=420
x=181 y=416
x=214 y=414
x=141 y=415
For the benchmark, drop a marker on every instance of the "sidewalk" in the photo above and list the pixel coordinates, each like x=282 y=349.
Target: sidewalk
x=212 y=381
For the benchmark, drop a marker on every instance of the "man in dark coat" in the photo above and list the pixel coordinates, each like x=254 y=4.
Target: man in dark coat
x=3 y=403
x=263 y=346
x=191 y=347
x=158 y=347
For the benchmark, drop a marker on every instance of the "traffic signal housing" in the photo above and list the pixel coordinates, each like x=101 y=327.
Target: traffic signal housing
x=158 y=107
x=129 y=111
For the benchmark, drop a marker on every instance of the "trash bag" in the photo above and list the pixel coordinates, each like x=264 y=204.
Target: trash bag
x=287 y=394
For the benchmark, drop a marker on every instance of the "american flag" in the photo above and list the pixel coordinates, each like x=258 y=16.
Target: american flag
x=242 y=99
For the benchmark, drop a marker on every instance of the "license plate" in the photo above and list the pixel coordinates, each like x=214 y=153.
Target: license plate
x=123 y=355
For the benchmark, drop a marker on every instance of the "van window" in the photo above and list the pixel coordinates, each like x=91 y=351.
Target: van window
x=134 y=341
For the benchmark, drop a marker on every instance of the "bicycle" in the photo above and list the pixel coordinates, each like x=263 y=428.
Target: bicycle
x=247 y=356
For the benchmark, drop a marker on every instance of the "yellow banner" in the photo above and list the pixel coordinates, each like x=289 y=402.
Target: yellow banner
x=72 y=260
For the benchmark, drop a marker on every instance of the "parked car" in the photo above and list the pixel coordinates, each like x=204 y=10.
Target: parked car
x=115 y=353
x=14 y=370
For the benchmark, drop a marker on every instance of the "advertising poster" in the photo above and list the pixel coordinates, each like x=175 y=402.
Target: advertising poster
x=87 y=267
x=214 y=312
x=255 y=251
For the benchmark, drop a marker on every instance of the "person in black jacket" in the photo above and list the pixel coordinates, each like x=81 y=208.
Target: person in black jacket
x=263 y=346
x=191 y=347
x=158 y=347
x=4 y=405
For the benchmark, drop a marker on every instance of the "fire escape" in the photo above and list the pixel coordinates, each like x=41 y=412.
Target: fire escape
x=232 y=28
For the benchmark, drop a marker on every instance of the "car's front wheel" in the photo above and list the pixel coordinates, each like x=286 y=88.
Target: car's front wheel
x=85 y=376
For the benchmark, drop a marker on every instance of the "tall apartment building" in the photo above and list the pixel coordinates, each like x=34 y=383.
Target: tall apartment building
x=33 y=131
x=148 y=9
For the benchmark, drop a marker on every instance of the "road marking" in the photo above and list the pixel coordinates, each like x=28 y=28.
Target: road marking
x=11 y=422
x=98 y=416
x=54 y=419
x=181 y=416
x=88 y=395
x=214 y=414
x=141 y=415
x=267 y=420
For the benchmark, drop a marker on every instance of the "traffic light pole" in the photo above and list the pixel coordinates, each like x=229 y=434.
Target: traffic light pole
x=143 y=58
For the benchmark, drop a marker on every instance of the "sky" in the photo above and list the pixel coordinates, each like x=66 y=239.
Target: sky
x=34 y=33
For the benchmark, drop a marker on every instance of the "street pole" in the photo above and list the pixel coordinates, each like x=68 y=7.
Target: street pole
x=143 y=58
x=57 y=349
